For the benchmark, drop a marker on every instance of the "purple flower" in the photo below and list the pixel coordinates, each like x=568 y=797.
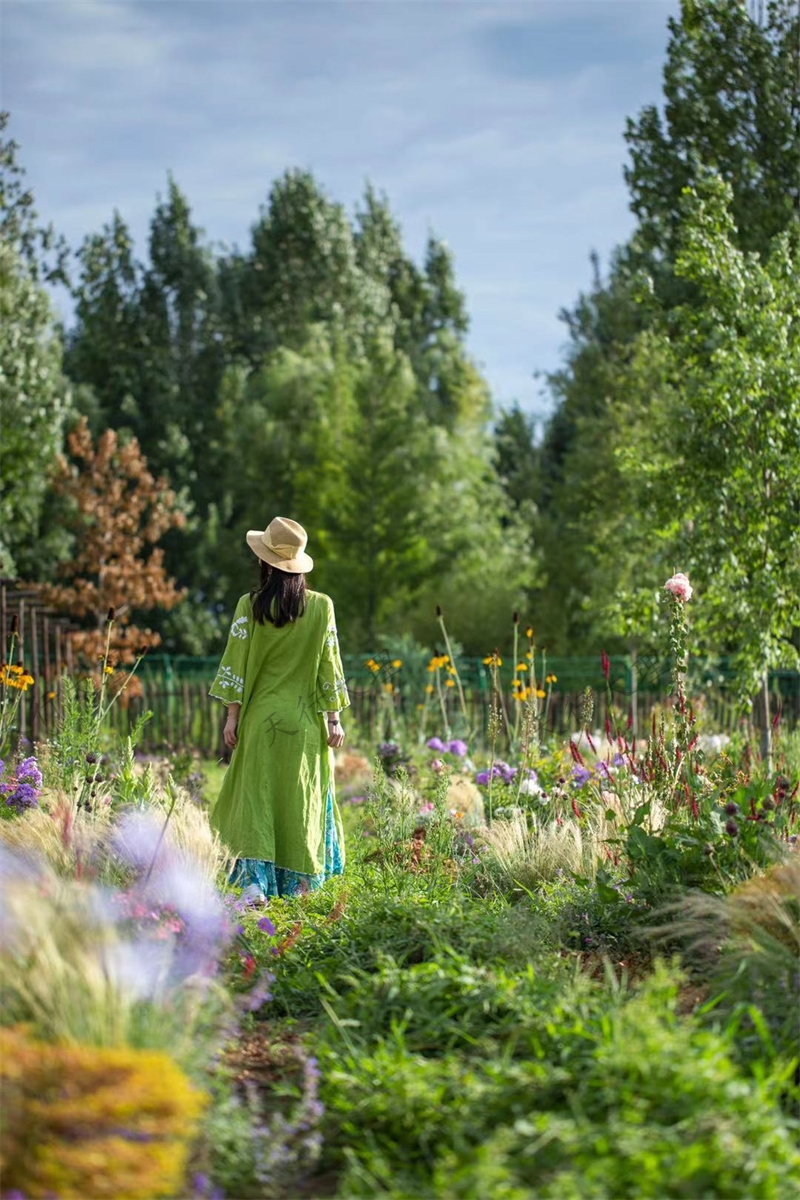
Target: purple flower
x=580 y=776
x=482 y=778
x=457 y=747
x=266 y=926
x=436 y=743
x=28 y=770
x=388 y=749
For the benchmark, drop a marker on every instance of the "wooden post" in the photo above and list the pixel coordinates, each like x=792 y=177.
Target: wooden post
x=634 y=692
x=36 y=690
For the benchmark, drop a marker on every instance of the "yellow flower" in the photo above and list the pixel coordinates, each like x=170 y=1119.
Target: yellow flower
x=397 y=662
x=420 y=706
x=493 y=660
x=541 y=693
x=529 y=631
x=551 y=679
x=373 y=666
x=522 y=666
x=429 y=688
x=529 y=655
x=51 y=695
x=388 y=687
x=108 y=670
x=449 y=683
x=451 y=670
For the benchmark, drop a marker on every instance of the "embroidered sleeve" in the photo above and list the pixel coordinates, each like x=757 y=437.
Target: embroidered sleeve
x=331 y=686
x=228 y=685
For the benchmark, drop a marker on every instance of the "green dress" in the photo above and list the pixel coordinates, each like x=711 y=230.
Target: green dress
x=274 y=797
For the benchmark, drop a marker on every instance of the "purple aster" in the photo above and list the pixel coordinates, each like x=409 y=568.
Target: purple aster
x=28 y=770
x=435 y=743
x=458 y=748
x=482 y=778
x=266 y=926
x=580 y=776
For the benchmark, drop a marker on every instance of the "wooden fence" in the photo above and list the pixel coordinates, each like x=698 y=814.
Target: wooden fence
x=185 y=717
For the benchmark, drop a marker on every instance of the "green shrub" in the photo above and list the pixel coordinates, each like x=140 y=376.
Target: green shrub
x=595 y=1093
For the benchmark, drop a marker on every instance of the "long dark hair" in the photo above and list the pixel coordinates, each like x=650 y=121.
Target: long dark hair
x=279 y=597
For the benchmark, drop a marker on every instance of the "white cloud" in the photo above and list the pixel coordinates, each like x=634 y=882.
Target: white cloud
x=519 y=169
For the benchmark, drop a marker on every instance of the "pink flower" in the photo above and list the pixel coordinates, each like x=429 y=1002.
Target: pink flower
x=437 y=765
x=679 y=586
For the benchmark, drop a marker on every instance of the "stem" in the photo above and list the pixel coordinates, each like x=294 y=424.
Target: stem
x=461 y=696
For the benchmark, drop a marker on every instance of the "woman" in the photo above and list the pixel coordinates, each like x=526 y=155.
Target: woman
x=282 y=679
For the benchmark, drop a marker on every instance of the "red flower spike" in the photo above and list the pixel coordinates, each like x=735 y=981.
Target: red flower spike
x=591 y=743
x=576 y=754
x=695 y=809
x=630 y=718
x=605 y=663
x=575 y=808
x=609 y=734
x=776 y=720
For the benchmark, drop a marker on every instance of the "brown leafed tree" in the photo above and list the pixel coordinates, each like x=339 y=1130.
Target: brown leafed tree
x=118 y=512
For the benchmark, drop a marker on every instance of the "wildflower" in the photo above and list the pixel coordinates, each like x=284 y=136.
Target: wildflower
x=266 y=926
x=541 y=693
x=530 y=787
x=372 y=665
x=449 y=683
x=388 y=688
x=397 y=662
x=108 y=670
x=458 y=747
x=429 y=688
x=522 y=666
x=428 y=807
x=529 y=632
x=436 y=743
x=551 y=679
x=420 y=705
x=678 y=585
x=388 y=749
x=493 y=660
x=482 y=778
x=731 y=827
x=580 y=776
x=731 y=808
x=437 y=765
x=605 y=663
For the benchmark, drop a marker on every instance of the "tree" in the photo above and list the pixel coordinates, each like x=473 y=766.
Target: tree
x=731 y=101
x=719 y=473
x=34 y=400
x=42 y=251
x=117 y=512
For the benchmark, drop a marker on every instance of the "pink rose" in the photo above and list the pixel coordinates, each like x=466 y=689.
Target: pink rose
x=679 y=586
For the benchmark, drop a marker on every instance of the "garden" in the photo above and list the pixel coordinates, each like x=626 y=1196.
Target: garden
x=551 y=969
x=563 y=959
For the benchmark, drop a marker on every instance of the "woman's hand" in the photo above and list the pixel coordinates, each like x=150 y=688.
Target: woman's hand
x=335 y=734
x=230 y=734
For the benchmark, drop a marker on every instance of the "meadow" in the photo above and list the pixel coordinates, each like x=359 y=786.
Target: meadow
x=553 y=968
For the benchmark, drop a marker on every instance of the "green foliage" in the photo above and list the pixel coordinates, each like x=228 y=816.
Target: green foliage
x=34 y=402
x=572 y=1111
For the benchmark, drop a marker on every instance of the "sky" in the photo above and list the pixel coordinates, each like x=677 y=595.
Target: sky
x=497 y=126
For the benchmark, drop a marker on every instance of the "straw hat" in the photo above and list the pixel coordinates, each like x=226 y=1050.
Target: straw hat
x=282 y=544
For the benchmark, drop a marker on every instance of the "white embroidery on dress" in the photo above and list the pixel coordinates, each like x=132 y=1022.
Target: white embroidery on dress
x=239 y=628
x=229 y=680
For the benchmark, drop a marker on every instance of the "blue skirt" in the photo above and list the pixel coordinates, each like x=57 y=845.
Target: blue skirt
x=278 y=881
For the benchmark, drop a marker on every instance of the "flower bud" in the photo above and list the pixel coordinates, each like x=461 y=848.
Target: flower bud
x=112 y=614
